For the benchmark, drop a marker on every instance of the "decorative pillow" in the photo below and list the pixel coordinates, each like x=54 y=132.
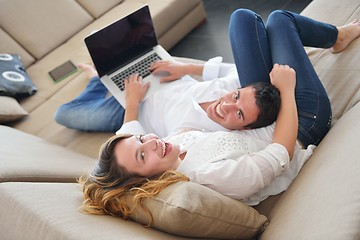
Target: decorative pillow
x=10 y=110
x=192 y=210
x=14 y=81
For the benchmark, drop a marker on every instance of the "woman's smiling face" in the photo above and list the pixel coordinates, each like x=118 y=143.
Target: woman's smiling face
x=147 y=155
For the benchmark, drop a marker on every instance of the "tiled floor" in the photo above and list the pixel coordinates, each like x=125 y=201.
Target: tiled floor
x=211 y=38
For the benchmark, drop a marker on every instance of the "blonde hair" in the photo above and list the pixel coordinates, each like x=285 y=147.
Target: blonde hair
x=108 y=189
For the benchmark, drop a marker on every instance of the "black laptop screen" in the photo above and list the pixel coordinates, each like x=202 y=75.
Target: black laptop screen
x=121 y=42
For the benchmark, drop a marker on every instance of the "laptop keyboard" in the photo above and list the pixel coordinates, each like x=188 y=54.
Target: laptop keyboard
x=141 y=67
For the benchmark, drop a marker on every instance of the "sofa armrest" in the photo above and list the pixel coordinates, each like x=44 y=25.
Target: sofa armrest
x=323 y=201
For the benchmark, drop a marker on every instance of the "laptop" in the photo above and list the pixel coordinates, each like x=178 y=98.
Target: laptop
x=124 y=47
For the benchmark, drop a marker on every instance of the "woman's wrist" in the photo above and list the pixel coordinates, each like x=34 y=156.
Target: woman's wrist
x=132 y=105
x=131 y=111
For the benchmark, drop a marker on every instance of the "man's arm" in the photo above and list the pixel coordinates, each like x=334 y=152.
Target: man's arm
x=284 y=78
x=210 y=70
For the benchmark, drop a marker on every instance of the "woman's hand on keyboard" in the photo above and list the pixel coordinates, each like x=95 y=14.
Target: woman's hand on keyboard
x=135 y=90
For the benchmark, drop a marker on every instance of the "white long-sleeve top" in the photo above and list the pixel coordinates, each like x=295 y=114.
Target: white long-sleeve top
x=239 y=165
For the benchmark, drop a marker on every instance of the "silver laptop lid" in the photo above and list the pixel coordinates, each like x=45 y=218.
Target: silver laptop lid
x=122 y=41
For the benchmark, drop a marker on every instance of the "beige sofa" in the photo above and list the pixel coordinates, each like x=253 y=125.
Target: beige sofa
x=40 y=160
x=48 y=34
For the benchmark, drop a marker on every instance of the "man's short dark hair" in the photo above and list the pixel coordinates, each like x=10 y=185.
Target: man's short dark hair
x=267 y=98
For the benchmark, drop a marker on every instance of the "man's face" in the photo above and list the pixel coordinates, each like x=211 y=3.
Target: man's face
x=235 y=110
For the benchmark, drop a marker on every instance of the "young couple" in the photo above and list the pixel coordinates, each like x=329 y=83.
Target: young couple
x=248 y=165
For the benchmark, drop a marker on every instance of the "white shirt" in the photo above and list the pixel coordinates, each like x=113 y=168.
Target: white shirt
x=176 y=107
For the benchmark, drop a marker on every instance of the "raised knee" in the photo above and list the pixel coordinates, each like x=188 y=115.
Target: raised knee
x=241 y=14
x=277 y=13
x=277 y=18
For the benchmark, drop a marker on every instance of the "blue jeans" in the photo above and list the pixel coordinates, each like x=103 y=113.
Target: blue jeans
x=92 y=110
x=256 y=47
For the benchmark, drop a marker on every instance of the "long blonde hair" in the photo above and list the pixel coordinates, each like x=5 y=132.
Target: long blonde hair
x=108 y=188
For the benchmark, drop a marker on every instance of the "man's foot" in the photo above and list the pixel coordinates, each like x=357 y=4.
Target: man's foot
x=346 y=35
x=88 y=69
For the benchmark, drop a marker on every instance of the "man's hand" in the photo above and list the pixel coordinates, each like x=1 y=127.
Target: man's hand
x=175 y=70
x=283 y=77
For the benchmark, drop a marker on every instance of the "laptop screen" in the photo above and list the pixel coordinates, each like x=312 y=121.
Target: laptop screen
x=122 y=42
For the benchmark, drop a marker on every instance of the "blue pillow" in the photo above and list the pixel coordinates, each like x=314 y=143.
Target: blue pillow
x=14 y=81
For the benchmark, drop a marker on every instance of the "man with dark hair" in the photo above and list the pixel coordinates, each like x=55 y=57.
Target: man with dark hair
x=268 y=101
x=216 y=103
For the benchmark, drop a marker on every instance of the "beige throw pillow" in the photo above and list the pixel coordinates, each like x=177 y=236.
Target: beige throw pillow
x=10 y=110
x=192 y=210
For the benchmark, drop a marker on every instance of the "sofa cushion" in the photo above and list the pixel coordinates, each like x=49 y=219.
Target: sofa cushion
x=42 y=25
x=171 y=10
x=34 y=203
x=97 y=8
x=33 y=211
x=174 y=17
x=192 y=210
x=24 y=157
x=10 y=110
x=323 y=201
x=9 y=45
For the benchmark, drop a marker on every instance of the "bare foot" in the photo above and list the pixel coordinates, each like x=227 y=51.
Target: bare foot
x=346 y=35
x=88 y=69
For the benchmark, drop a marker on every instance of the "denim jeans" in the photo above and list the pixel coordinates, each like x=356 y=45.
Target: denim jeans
x=256 y=47
x=92 y=110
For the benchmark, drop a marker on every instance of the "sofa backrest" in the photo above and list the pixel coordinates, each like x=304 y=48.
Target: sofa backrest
x=34 y=28
x=97 y=8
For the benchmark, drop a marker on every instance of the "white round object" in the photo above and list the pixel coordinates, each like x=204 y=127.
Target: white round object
x=6 y=57
x=13 y=76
